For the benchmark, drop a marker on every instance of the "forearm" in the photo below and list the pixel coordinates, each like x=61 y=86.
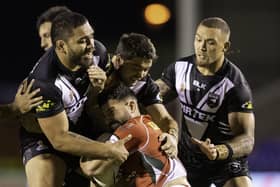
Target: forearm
x=79 y=145
x=243 y=126
x=237 y=147
x=93 y=167
x=242 y=145
x=169 y=125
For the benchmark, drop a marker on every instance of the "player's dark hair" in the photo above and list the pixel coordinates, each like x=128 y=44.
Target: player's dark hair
x=50 y=14
x=216 y=22
x=63 y=25
x=136 y=45
x=118 y=92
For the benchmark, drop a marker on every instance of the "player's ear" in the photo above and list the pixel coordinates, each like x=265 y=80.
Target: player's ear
x=132 y=105
x=117 y=61
x=226 y=46
x=60 y=46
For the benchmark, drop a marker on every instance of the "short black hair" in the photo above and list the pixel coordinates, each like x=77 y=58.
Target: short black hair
x=50 y=14
x=216 y=22
x=136 y=45
x=63 y=25
x=119 y=92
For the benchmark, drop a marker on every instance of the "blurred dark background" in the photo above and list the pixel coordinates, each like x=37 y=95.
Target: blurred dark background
x=255 y=27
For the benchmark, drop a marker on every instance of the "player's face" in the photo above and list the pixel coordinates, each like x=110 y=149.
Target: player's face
x=209 y=45
x=134 y=70
x=45 y=35
x=116 y=112
x=80 y=46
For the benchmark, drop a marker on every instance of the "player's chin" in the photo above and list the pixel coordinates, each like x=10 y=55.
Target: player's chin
x=86 y=62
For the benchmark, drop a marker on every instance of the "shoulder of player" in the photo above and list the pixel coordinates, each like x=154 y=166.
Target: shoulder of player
x=45 y=69
x=181 y=63
x=235 y=74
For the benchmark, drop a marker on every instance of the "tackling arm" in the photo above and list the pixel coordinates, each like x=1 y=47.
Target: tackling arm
x=56 y=130
x=243 y=127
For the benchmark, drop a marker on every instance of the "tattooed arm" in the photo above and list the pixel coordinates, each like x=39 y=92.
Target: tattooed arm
x=56 y=128
x=243 y=127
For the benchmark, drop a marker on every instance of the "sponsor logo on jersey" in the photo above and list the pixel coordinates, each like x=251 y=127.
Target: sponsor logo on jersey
x=199 y=85
x=45 y=106
x=247 y=105
x=213 y=100
x=75 y=111
x=198 y=115
x=234 y=167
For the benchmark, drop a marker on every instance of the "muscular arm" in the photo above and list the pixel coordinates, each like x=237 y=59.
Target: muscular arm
x=100 y=169
x=161 y=117
x=243 y=127
x=167 y=124
x=165 y=91
x=56 y=130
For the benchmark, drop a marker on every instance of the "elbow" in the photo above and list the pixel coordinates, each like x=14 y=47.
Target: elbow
x=57 y=143
x=251 y=144
x=58 y=146
x=248 y=146
x=92 y=168
x=87 y=169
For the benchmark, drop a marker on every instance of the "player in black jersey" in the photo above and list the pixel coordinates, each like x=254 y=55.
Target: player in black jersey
x=216 y=101
x=43 y=25
x=25 y=99
x=134 y=56
x=55 y=141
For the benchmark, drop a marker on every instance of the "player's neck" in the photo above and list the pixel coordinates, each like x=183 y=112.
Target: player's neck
x=212 y=68
x=66 y=62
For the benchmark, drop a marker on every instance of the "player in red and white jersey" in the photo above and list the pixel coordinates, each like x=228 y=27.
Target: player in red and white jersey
x=147 y=164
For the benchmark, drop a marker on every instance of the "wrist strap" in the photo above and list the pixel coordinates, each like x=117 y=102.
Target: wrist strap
x=224 y=152
x=230 y=151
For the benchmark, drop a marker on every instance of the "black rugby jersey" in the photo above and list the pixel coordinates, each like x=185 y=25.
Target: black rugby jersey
x=146 y=90
x=61 y=88
x=207 y=100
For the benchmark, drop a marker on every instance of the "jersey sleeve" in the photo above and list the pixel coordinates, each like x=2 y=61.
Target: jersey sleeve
x=240 y=99
x=52 y=102
x=150 y=94
x=169 y=76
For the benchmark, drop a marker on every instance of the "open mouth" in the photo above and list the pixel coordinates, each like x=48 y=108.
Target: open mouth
x=88 y=56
